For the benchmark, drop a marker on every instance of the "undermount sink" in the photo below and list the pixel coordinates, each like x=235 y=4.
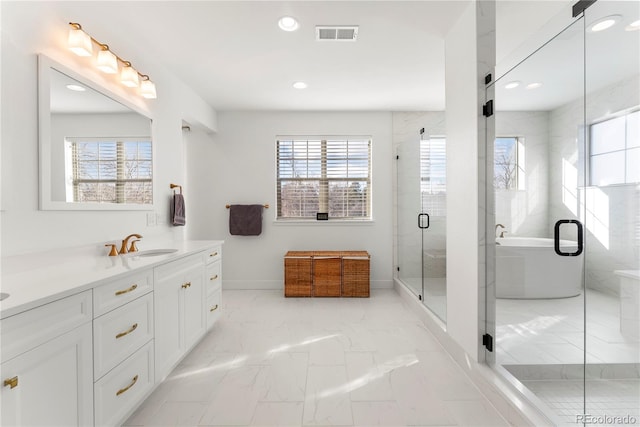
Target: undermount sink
x=152 y=252
x=3 y=296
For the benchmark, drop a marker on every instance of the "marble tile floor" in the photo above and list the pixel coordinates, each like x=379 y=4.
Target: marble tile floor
x=551 y=331
x=281 y=361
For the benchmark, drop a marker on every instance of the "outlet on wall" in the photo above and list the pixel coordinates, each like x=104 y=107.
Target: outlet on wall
x=151 y=219
x=160 y=219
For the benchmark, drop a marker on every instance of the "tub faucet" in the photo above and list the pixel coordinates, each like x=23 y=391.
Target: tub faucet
x=123 y=248
x=503 y=230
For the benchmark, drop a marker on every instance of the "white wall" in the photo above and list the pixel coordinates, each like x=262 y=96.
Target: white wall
x=237 y=165
x=525 y=212
x=29 y=28
x=612 y=220
x=469 y=56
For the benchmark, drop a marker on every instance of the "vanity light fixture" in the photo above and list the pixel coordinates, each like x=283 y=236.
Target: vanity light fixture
x=604 y=23
x=107 y=61
x=81 y=44
x=129 y=76
x=300 y=85
x=288 y=23
x=512 y=85
x=634 y=26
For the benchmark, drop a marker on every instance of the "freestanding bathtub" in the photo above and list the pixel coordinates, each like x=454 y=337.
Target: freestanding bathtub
x=528 y=268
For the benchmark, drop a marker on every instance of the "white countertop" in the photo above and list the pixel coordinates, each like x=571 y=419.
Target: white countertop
x=35 y=279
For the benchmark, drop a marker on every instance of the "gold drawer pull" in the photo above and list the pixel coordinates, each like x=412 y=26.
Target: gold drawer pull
x=128 y=331
x=213 y=278
x=11 y=382
x=125 y=291
x=213 y=254
x=214 y=308
x=186 y=285
x=122 y=390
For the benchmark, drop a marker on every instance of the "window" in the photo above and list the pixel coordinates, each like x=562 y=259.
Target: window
x=324 y=175
x=614 y=155
x=114 y=170
x=508 y=162
x=433 y=175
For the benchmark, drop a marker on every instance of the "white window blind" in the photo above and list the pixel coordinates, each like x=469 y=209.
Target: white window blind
x=113 y=170
x=330 y=175
x=433 y=175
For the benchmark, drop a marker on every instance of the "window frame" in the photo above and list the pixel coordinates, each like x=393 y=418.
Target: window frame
x=519 y=178
x=589 y=167
x=324 y=180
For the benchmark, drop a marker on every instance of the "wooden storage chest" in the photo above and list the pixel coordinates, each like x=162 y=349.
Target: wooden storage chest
x=326 y=274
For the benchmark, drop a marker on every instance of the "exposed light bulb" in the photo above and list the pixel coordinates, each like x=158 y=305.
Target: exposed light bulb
x=79 y=42
x=107 y=61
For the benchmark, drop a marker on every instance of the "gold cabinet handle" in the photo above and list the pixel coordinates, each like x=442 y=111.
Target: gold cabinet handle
x=186 y=285
x=122 y=390
x=213 y=278
x=213 y=254
x=214 y=308
x=128 y=331
x=125 y=291
x=11 y=382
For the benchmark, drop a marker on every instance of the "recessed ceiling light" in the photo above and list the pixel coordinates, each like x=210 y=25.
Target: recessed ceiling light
x=76 y=88
x=604 y=23
x=300 y=85
x=288 y=23
x=634 y=26
x=512 y=85
x=534 y=85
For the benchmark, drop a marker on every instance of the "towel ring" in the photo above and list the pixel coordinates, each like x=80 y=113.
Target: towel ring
x=173 y=186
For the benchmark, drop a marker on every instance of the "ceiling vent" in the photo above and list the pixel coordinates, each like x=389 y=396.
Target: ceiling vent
x=337 y=33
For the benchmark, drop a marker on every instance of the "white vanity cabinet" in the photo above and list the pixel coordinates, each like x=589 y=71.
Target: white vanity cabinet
x=213 y=285
x=179 y=301
x=46 y=370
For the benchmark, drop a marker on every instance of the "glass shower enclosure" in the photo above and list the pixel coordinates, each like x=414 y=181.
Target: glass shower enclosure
x=421 y=183
x=566 y=189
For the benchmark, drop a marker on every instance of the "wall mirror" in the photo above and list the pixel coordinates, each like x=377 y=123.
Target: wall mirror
x=95 y=148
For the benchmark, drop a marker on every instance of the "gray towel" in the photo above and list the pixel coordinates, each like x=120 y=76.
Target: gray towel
x=245 y=220
x=177 y=210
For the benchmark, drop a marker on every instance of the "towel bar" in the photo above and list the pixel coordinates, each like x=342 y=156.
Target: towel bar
x=172 y=186
x=264 y=206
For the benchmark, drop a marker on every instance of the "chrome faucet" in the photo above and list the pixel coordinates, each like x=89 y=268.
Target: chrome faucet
x=502 y=232
x=123 y=248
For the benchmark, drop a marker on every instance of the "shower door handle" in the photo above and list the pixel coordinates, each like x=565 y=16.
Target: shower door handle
x=556 y=237
x=420 y=221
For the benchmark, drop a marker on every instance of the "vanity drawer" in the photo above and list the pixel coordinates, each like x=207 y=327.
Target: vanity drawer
x=213 y=255
x=122 y=389
x=119 y=333
x=213 y=277
x=214 y=308
x=114 y=294
x=24 y=331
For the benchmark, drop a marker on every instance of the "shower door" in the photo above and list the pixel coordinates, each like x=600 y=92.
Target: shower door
x=421 y=163
x=612 y=212
x=538 y=163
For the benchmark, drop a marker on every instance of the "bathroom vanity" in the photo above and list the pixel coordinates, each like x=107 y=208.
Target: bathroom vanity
x=86 y=338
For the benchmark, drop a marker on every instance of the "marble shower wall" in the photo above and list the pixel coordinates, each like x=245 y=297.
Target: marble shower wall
x=525 y=212
x=612 y=218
